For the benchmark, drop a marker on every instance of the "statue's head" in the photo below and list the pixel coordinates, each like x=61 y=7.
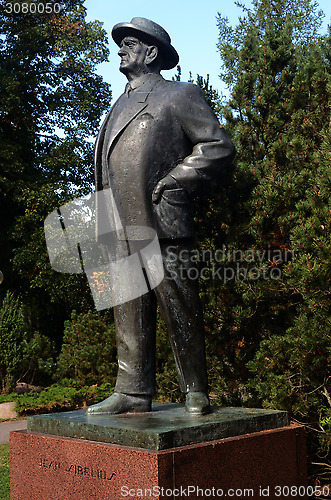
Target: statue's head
x=143 y=42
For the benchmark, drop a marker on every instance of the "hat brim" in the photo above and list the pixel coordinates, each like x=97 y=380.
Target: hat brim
x=170 y=57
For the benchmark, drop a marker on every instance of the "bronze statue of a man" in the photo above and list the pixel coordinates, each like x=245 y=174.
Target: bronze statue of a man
x=159 y=142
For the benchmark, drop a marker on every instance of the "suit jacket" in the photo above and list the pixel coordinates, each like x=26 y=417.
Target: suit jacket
x=164 y=127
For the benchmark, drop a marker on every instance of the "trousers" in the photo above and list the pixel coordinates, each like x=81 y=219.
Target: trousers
x=180 y=306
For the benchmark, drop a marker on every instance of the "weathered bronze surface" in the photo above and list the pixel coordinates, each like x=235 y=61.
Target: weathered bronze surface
x=167 y=426
x=158 y=144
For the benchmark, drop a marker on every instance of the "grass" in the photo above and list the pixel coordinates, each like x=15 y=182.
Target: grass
x=4 y=472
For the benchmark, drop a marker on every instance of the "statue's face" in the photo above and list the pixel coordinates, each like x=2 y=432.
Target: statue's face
x=133 y=53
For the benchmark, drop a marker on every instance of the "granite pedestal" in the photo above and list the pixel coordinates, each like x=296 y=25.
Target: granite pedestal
x=233 y=452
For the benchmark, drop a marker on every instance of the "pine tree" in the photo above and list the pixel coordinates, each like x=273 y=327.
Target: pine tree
x=273 y=329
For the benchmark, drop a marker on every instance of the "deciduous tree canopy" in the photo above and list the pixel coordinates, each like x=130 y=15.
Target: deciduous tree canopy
x=51 y=101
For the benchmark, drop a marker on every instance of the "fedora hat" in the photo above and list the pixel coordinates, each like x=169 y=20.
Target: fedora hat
x=151 y=32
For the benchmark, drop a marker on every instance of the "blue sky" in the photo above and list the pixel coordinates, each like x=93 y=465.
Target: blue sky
x=191 y=25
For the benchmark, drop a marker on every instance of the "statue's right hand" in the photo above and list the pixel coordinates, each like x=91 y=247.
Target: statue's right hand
x=168 y=182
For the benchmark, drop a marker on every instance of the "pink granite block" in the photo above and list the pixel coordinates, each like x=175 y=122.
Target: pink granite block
x=50 y=467
x=245 y=466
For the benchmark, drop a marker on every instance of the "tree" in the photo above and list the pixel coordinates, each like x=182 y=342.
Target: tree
x=88 y=354
x=51 y=104
x=23 y=353
x=12 y=341
x=273 y=326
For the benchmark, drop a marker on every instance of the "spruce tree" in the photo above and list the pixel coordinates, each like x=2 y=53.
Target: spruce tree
x=272 y=328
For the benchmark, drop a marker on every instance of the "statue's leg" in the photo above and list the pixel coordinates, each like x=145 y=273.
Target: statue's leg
x=178 y=297
x=135 y=323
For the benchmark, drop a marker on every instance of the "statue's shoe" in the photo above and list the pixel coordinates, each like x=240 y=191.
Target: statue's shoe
x=197 y=403
x=121 y=403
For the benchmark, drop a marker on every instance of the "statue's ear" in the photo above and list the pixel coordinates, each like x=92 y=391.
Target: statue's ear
x=151 y=54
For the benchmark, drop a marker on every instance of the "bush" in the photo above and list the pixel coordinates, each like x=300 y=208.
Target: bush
x=13 y=341
x=39 y=363
x=24 y=355
x=88 y=354
x=65 y=396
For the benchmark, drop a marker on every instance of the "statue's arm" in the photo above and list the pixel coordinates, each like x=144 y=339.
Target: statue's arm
x=212 y=148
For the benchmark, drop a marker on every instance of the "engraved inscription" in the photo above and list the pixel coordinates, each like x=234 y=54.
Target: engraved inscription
x=49 y=464
x=90 y=472
x=76 y=469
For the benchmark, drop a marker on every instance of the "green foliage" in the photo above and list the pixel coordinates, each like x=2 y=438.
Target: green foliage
x=266 y=25
x=51 y=104
x=38 y=365
x=13 y=341
x=6 y=398
x=88 y=353
x=23 y=355
x=48 y=81
x=49 y=296
x=272 y=332
x=65 y=396
x=212 y=95
x=289 y=368
x=325 y=424
x=4 y=472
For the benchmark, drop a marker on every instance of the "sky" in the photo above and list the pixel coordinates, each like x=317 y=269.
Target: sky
x=191 y=25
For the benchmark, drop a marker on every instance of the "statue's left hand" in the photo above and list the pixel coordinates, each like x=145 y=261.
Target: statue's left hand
x=167 y=182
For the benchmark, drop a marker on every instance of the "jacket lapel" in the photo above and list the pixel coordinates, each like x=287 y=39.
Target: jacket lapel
x=135 y=104
x=101 y=134
x=131 y=110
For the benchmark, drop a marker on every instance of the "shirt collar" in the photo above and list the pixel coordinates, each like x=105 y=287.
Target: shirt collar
x=141 y=80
